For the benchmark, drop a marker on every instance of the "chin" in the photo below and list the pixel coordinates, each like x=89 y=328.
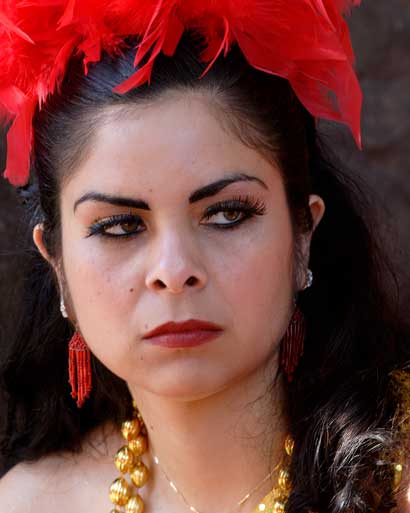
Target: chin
x=186 y=383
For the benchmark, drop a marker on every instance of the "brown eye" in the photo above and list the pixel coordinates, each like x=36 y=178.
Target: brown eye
x=226 y=217
x=130 y=226
x=125 y=227
x=232 y=215
x=117 y=226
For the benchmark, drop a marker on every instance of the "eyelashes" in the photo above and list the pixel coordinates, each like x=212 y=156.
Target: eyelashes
x=129 y=225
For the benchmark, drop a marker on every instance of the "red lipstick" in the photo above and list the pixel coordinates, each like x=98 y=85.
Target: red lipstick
x=183 y=334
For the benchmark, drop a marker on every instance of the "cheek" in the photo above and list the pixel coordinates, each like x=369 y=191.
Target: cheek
x=259 y=278
x=102 y=281
x=103 y=289
x=255 y=280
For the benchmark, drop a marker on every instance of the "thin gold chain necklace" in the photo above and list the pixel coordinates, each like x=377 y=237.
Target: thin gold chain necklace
x=192 y=508
x=128 y=460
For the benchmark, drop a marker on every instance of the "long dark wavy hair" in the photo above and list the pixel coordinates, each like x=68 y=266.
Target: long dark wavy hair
x=339 y=406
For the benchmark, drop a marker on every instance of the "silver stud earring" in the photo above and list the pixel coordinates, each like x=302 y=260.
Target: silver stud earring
x=309 y=279
x=62 y=308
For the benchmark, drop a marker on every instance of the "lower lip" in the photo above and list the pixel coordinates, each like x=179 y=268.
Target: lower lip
x=184 y=339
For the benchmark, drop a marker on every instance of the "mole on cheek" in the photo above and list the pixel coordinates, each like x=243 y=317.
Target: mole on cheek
x=131 y=290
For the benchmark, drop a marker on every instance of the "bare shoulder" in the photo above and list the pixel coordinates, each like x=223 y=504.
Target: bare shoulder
x=61 y=482
x=25 y=486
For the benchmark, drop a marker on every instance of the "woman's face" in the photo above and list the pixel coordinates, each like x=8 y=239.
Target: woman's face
x=128 y=268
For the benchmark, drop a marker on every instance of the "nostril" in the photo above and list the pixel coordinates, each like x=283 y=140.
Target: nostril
x=160 y=284
x=192 y=280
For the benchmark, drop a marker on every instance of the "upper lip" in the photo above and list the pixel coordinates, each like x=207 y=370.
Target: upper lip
x=178 y=327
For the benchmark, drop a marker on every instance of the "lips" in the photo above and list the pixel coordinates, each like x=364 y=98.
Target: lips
x=181 y=327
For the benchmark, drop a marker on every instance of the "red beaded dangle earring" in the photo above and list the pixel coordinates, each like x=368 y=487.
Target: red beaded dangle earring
x=294 y=338
x=79 y=365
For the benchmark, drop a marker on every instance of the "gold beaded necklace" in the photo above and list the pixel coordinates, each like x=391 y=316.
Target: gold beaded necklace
x=128 y=460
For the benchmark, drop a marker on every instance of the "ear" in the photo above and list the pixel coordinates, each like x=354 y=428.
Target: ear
x=317 y=209
x=38 y=238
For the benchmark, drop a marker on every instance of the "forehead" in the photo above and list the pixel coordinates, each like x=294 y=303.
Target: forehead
x=177 y=141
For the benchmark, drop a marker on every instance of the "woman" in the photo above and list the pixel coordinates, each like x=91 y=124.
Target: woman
x=204 y=206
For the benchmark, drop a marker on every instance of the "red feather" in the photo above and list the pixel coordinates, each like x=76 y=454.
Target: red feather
x=304 y=41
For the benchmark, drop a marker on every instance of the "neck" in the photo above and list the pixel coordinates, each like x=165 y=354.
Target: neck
x=234 y=437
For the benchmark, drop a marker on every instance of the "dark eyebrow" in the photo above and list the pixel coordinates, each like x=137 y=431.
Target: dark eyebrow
x=201 y=193
x=214 y=187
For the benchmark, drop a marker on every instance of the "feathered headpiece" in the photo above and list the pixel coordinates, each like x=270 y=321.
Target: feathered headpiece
x=305 y=41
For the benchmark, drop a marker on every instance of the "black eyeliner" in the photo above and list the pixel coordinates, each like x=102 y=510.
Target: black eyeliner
x=246 y=205
x=97 y=228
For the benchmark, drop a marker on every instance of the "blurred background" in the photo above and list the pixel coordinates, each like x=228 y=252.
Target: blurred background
x=381 y=39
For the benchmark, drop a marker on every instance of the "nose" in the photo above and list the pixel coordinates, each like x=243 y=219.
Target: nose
x=175 y=263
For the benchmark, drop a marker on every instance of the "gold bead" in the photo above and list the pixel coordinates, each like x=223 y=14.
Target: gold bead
x=130 y=429
x=135 y=505
x=289 y=445
x=139 y=474
x=115 y=511
x=124 y=459
x=139 y=445
x=120 y=492
x=284 y=481
x=278 y=507
x=398 y=475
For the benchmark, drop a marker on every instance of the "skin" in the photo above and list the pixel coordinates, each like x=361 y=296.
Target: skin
x=203 y=405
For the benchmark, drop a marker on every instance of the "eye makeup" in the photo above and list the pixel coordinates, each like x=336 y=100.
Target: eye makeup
x=129 y=225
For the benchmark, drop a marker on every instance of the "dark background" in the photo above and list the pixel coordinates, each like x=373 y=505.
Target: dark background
x=381 y=39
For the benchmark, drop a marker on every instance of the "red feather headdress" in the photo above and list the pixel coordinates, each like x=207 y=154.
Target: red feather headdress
x=305 y=41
